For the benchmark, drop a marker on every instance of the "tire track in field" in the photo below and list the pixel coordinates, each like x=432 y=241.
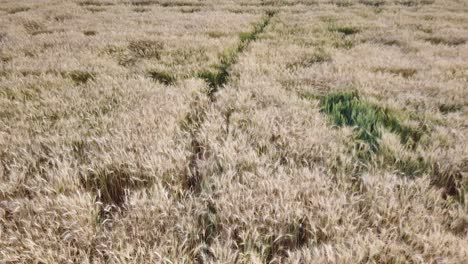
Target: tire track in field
x=216 y=76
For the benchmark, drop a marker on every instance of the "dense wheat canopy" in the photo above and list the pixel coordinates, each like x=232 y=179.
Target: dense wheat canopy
x=233 y=131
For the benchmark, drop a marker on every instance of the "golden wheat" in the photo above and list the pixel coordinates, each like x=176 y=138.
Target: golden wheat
x=233 y=131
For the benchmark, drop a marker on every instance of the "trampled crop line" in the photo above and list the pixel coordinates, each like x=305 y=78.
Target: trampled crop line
x=216 y=77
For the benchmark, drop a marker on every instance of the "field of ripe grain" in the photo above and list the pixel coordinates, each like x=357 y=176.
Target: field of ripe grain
x=233 y=131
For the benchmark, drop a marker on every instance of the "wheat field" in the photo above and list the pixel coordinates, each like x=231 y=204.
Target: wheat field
x=233 y=131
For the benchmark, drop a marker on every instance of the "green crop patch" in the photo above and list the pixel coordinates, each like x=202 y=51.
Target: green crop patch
x=373 y=3
x=414 y=2
x=143 y=3
x=162 y=77
x=95 y=3
x=215 y=77
x=345 y=30
x=347 y=109
x=80 y=77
